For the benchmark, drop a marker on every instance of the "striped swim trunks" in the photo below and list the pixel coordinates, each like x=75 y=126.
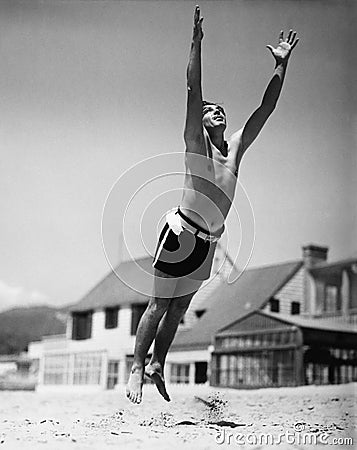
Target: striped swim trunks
x=184 y=248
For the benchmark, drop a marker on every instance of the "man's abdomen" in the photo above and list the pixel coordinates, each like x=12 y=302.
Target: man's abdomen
x=207 y=209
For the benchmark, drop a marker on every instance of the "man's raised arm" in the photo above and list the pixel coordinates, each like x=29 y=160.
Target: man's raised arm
x=193 y=133
x=256 y=121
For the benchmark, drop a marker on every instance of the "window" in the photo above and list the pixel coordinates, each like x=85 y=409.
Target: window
x=137 y=310
x=258 y=368
x=199 y=313
x=180 y=373
x=113 y=370
x=73 y=368
x=56 y=369
x=82 y=325
x=111 y=317
x=332 y=301
x=257 y=340
x=87 y=368
x=295 y=308
x=274 y=305
x=223 y=369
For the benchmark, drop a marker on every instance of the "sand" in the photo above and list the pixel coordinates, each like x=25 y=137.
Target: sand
x=298 y=417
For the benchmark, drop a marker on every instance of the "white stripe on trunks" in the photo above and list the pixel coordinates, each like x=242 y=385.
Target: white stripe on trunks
x=161 y=246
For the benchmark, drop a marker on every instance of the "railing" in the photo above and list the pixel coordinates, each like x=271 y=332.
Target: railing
x=53 y=337
x=338 y=318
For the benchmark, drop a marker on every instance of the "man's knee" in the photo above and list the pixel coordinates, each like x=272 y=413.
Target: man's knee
x=179 y=305
x=158 y=306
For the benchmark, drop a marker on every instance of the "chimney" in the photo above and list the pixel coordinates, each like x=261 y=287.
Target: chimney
x=314 y=254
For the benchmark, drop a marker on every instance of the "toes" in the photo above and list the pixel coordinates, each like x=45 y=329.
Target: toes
x=131 y=396
x=165 y=394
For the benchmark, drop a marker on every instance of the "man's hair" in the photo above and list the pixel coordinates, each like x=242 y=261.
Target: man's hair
x=206 y=103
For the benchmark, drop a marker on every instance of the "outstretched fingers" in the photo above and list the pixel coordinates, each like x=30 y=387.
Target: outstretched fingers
x=197 y=24
x=281 y=36
x=196 y=16
x=293 y=45
x=291 y=39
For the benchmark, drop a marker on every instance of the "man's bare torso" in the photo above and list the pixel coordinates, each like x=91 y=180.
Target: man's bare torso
x=210 y=184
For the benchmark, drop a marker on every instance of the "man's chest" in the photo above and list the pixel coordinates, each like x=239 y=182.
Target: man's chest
x=212 y=174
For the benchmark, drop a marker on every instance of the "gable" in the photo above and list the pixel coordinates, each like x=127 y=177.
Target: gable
x=292 y=291
x=254 y=322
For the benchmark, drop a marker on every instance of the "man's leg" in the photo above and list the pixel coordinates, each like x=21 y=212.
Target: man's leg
x=164 y=287
x=167 y=330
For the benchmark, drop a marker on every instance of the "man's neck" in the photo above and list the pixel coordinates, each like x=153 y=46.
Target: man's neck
x=217 y=139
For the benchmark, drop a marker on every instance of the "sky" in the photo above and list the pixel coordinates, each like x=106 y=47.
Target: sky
x=90 y=91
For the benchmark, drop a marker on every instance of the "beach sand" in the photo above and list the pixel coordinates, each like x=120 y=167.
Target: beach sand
x=255 y=419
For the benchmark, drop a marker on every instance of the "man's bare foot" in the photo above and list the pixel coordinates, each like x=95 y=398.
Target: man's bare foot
x=154 y=372
x=135 y=385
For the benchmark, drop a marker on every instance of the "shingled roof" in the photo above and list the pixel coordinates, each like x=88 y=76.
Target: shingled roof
x=228 y=302
x=112 y=291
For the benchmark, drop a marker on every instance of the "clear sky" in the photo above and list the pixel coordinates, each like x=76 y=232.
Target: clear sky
x=90 y=88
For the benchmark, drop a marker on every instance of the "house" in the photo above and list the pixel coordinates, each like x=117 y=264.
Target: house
x=97 y=349
x=242 y=335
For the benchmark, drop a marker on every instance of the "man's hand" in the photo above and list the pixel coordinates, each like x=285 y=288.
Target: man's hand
x=282 y=52
x=257 y=120
x=197 y=25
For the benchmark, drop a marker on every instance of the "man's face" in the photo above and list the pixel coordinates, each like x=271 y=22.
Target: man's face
x=213 y=116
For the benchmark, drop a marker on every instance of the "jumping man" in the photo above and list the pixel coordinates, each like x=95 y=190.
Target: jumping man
x=187 y=243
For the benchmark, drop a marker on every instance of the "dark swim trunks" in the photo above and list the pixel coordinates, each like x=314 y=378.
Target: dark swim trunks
x=185 y=248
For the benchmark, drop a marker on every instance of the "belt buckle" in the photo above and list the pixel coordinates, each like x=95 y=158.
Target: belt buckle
x=205 y=236
x=202 y=235
x=208 y=238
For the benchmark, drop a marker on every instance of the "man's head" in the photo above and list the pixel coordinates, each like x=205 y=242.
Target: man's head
x=213 y=115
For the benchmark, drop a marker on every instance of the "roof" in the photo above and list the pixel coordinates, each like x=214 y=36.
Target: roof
x=313 y=323
x=228 y=302
x=112 y=291
x=332 y=267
